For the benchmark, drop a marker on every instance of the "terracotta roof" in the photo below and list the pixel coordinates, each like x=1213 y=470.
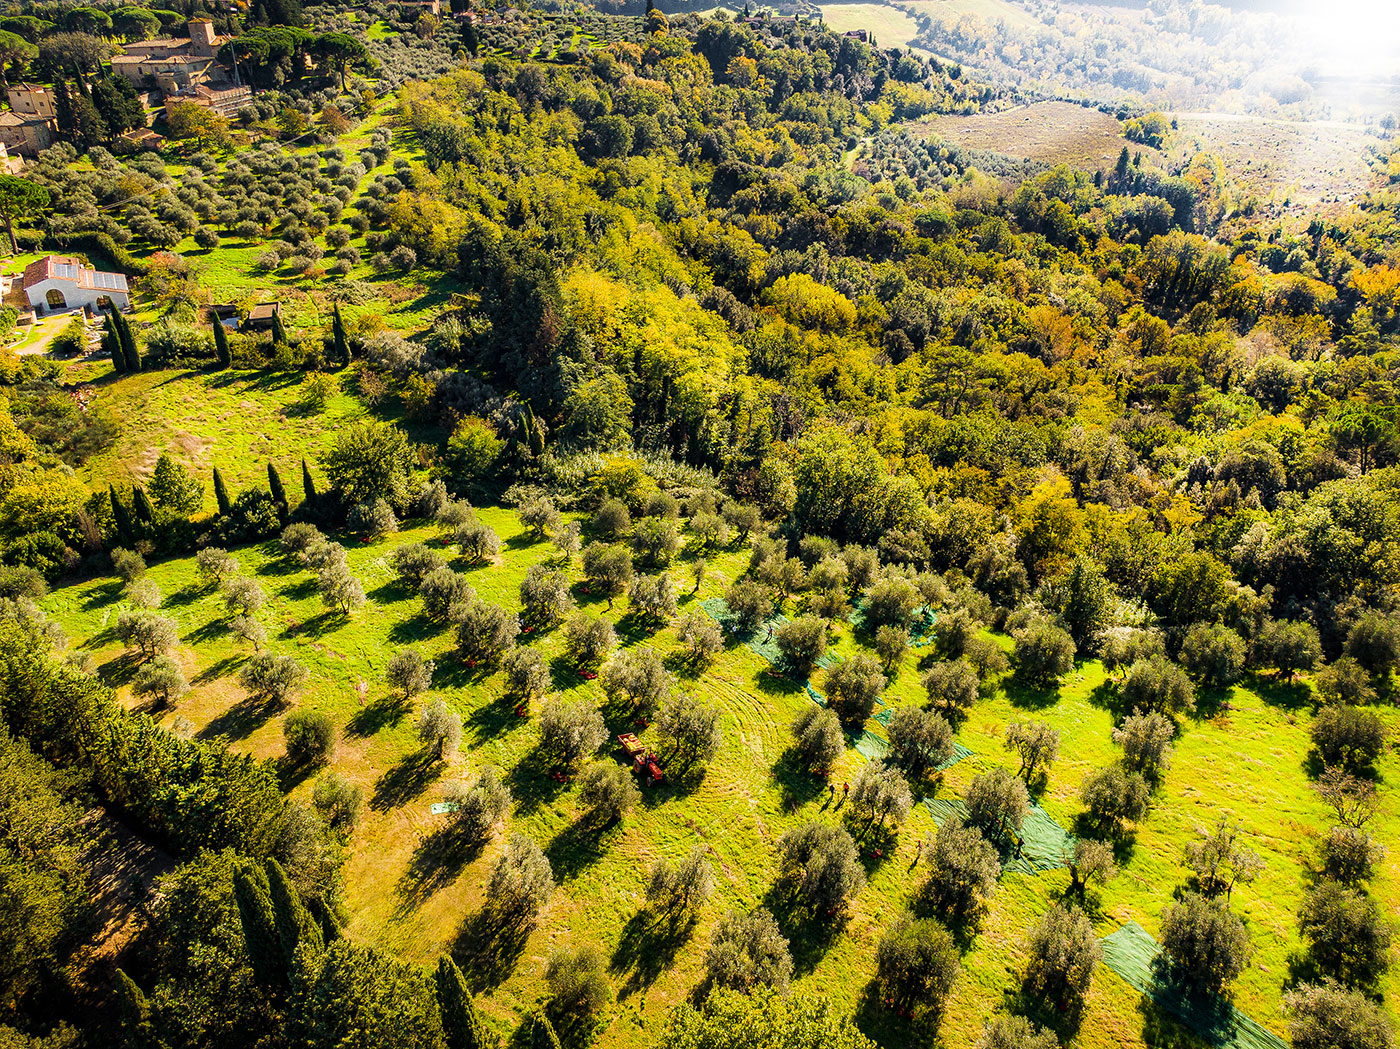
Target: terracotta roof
x=63 y=268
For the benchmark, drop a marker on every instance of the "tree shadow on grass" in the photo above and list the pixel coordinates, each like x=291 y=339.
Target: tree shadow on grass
x=963 y=925
x=531 y=784
x=810 y=935
x=680 y=664
x=186 y=595
x=121 y=668
x=406 y=780
x=563 y=675
x=1122 y=840
x=319 y=625
x=886 y=1025
x=240 y=720
x=216 y=670
x=378 y=714
x=207 y=632
x=1028 y=697
x=647 y=948
x=415 y=629
x=300 y=590
x=101 y=596
x=1286 y=695
x=437 y=860
x=1064 y=1021
x=876 y=845
x=797 y=785
x=488 y=947
x=491 y=719
x=577 y=847
x=392 y=592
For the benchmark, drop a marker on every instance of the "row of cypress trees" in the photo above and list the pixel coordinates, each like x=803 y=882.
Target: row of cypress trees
x=120 y=343
x=340 y=341
x=298 y=957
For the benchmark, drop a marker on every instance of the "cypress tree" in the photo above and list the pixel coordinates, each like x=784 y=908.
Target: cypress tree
x=274 y=484
x=250 y=890
x=536 y=435
x=129 y=350
x=330 y=926
x=221 y=493
x=295 y=925
x=541 y=1033
x=63 y=106
x=112 y=343
x=308 y=486
x=279 y=333
x=221 y=344
x=339 y=340
x=137 y=1032
x=461 y=1026
x=82 y=83
x=141 y=503
x=119 y=514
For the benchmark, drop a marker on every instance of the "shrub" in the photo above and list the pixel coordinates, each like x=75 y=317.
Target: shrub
x=310 y=737
x=440 y=727
x=607 y=792
x=916 y=964
x=853 y=686
x=1344 y=682
x=1206 y=943
x=748 y=951
x=272 y=678
x=952 y=688
x=570 y=732
x=316 y=391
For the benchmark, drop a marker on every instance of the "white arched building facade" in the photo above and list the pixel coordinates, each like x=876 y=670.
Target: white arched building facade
x=56 y=283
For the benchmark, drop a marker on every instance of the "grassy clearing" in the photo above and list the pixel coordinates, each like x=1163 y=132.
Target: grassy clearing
x=890 y=26
x=1245 y=759
x=1055 y=132
x=237 y=421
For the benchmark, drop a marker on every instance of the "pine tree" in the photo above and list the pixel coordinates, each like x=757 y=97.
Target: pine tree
x=274 y=484
x=279 y=333
x=295 y=925
x=308 y=486
x=339 y=340
x=221 y=344
x=250 y=890
x=541 y=1033
x=141 y=504
x=112 y=343
x=221 y=493
x=461 y=1025
x=120 y=515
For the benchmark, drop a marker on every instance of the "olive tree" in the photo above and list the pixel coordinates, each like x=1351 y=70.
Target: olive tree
x=607 y=792
x=1206 y=943
x=215 y=565
x=817 y=738
x=1037 y=744
x=639 y=678
x=526 y=674
x=521 y=880
x=440 y=727
x=689 y=730
x=414 y=562
x=273 y=678
x=916 y=964
x=853 y=686
x=748 y=951
x=480 y=806
x=1221 y=859
x=588 y=640
x=820 y=865
x=681 y=889
x=1288 y=646
x=441 y=590
x=1063 y=954
x=802 y=641
x=881 y=794
x=1114 y=796
x=919 y=739
x=1214 y=654
x=1146 y=740
x=570 y=732
x=1327 y=1015
x=952 y=688
x=749 y=603
x=544 y=597
x=1349 y=855
x=1044 y=653
x=1348 y=737
x=485 y=632
x=1089 y=862
x=997 y=803
x=310 y=737
x=409 y=672
x=148 y=633
x=652 y=599
x=162 y=679
x=1347 y=934
x=1156 y=683
x=700 y=636
x=1016 y=1032
x=963 y=869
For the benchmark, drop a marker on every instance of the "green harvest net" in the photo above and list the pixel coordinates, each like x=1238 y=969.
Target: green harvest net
x=919 y=627
x=762 y=640
x=1132 y=953
x=1043 y=844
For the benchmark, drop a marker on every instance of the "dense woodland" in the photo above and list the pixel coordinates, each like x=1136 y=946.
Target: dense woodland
x=701 y=291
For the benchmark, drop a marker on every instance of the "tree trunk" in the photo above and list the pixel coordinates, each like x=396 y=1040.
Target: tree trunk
x=10 y=229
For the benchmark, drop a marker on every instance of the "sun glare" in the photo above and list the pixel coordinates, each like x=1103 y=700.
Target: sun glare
x=1353 y=36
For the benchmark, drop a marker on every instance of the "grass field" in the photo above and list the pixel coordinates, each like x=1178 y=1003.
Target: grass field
x=890 y=26
x=1055 y=132
x=1244 y=758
